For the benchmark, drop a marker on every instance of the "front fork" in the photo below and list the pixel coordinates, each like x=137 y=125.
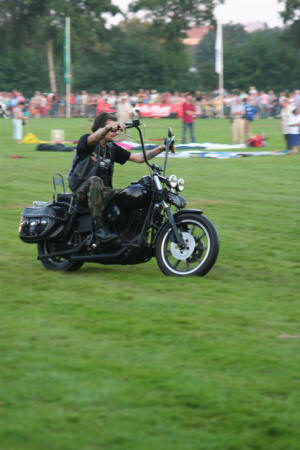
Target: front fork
x=178 y=238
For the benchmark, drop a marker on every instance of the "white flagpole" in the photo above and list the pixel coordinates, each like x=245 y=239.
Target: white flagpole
x=219 y=61
x=68 y=66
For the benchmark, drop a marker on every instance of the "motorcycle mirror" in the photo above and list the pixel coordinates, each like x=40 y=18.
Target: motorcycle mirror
x=170 y=132
x=168 y=143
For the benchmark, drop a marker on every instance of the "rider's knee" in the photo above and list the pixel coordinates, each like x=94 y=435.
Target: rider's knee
x=95 y=181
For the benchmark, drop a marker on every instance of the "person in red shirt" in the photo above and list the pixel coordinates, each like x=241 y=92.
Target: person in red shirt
x=188 y=114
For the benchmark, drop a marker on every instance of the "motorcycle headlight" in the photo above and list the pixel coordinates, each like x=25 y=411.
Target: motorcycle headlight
x=173 y=181
x=180 y=184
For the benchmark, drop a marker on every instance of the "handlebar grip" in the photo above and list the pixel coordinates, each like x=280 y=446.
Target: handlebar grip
x=134 y=123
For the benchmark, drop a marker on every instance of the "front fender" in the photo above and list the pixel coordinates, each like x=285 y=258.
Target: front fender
x=187 y=211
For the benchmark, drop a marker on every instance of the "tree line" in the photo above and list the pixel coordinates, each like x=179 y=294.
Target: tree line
x=137 y=53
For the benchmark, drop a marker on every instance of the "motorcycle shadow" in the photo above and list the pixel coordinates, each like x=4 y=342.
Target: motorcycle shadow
x=134 y=271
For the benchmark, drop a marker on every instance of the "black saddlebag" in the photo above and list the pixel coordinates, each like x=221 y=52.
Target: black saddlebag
x=39 y=223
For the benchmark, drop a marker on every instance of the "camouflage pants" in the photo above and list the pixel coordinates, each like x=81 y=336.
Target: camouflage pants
x=95 y=195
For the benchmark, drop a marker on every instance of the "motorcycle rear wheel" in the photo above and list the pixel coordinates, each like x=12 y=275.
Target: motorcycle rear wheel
x=201 y=247
x=56 y=262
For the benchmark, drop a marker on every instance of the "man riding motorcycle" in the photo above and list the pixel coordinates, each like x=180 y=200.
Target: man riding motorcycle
x=90 y=176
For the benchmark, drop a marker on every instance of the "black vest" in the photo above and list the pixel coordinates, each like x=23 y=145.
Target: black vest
x=102 y=166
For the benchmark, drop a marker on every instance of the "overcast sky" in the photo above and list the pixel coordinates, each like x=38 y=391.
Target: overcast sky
x=241 y=11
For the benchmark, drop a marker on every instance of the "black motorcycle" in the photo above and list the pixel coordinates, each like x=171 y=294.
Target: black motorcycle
x=149 y=217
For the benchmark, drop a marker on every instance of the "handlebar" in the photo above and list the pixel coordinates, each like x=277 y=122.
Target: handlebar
x=168 y=142
x=134 y=123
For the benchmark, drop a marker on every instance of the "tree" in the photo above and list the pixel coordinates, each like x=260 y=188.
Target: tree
x=262 y=58
x=205 y=57
x=291 y=16
x=292 y=10
x=36 y=23
x=171 y=18
x=129 y=65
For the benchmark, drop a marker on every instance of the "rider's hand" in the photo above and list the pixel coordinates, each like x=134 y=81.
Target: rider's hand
x=120 y=126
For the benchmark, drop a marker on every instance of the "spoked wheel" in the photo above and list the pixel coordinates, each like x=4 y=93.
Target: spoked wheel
x=200 y=251
x=56 y=262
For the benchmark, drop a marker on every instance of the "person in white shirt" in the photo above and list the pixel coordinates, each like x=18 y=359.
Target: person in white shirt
x=294 y=127
x=83 y=103
x=237 y=112
x=18 y=118
x=284 y=120
x=124 y=110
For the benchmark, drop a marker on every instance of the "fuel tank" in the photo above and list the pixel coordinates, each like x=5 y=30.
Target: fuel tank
x=135 y=196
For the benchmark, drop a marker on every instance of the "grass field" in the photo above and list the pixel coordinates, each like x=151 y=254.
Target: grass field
x=122 y=357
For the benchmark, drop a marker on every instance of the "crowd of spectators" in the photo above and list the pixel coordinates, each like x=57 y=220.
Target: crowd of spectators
x=241 y=107
x=207 y=105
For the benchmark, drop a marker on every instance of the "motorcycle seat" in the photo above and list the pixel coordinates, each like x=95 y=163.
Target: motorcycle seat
x=66 y=198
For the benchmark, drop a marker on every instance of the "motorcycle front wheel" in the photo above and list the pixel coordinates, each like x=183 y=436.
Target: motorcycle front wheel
x=56 y=262
x=200 y=251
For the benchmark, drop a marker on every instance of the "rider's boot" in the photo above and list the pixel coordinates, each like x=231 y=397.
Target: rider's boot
x=102 y=233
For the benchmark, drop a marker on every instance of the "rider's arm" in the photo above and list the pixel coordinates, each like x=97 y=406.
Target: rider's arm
x=98 y=135
x=139 y=157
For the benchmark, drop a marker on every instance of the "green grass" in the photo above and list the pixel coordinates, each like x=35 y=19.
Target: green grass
x=122 y=357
